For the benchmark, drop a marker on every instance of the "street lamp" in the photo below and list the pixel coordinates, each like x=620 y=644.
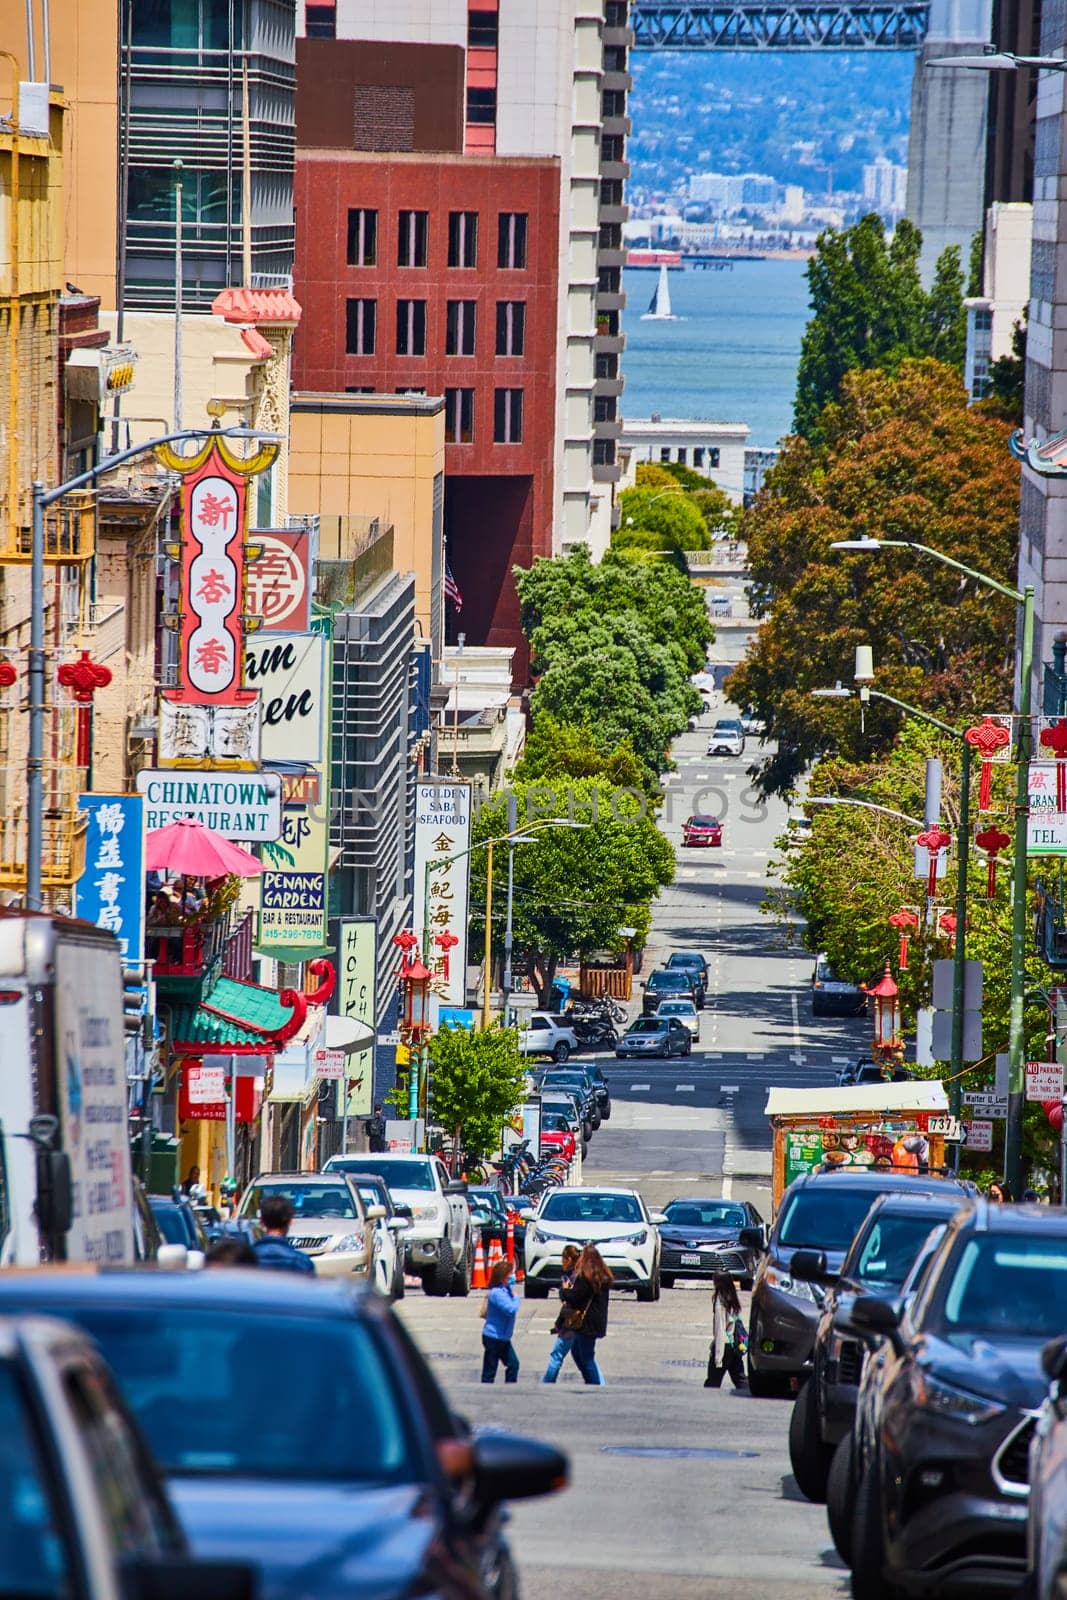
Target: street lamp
x=1013 y=1142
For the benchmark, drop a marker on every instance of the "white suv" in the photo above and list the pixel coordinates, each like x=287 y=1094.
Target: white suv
x=439 y=1245
x=727 y=738
x=546 y=1034
x=617 y=1221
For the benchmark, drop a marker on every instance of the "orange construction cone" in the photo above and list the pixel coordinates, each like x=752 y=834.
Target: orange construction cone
x=479 y=1276
x=495 y=1253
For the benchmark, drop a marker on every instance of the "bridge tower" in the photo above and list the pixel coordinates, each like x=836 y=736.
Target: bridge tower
x=947 y=138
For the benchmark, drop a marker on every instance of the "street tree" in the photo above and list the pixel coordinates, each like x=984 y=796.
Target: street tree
x=574 y=887
x=476 y=1081
x=557 y=747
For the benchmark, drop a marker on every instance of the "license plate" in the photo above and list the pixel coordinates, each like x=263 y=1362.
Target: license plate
x=690 y=1260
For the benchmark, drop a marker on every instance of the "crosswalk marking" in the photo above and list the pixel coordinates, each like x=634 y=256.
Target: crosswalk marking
x=640 y=1086
x=685 y=1088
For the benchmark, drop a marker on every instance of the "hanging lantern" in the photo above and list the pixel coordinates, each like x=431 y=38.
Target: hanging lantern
x=934 y=840
x=904 y=920
x=946 y=924
x=1055 y=739
x=83 y=678
x=987 y=737
x=445 y=942
x=886 y=997
x=992 y=841
x=415 y=1017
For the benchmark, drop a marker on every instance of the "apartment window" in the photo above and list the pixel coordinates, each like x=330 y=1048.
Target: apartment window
x=409 y=391
x=611 y=191
x=511 y=327
x=507 y=416
x=609 y=280
x=463 y=238
x=459 y=416
x=411 y=327
x=683 y=456
x=361 y=324
x=607 y=366
x=665 y=454
x=603 y=452
x=614 y=103
x=607 y=323
x=615 y=58
x=613 y=147
x=615 y=14
x=459 y=327
x=321 y=21
x=511 y=239
x=483 y=30
x=360 y=388
x=411 y=248
x=698 y=456
x=362 y=238
x=481 y=105
x=713 y=458
x=605 y=408
x=611 y=236
x=983 y=321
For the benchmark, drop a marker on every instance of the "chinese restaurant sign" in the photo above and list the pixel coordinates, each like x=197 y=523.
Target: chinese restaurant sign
x=1046 y=829
x=279 y=584
x=288 y=671
x=292 y=891
x=245 y=805
x=443 y=830
x=357 y=955
x=111 y=890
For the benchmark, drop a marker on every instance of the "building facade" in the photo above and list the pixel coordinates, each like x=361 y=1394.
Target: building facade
x=715 y=449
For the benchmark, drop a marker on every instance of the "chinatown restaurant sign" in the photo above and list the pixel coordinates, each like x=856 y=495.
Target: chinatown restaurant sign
x=442 y=831
x=239 y=805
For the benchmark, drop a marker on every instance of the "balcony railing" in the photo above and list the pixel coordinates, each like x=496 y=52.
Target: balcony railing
x=69 y=531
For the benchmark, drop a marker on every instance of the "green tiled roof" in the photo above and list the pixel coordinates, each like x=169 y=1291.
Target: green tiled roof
x=232 y=1014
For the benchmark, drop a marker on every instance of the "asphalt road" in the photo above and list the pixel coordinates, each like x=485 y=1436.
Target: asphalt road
x=678 y=1493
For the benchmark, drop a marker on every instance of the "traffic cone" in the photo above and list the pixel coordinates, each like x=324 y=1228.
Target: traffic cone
x=511 y=1238
x=479 y=1276
x=495 y=1253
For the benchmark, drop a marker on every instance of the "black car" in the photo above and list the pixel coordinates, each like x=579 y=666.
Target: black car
x=693 y=963
x=943 y=1431
x=299 y=1427
x=680 y=984
x=832 y=996
x=178 y=1222
x=819 y=1211
x=655 y=1036
x=578 y=1084
x=703 y=1237
x=881 y=1256
x=854 y=1074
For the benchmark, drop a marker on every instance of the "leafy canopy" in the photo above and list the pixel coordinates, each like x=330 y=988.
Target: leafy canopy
x=476 y=1082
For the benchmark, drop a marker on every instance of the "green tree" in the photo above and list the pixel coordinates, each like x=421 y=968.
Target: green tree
x=563 y=748
x=574 y=887
x=1007 y=377
x=668 y=519
x=902 y=457
x=476 y=1083
x=945 y=320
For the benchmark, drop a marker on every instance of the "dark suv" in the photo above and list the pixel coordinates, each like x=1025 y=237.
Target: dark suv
x=692 y=962
x=882 y=1254
x=819 y=1211
x=677 y=984
x=944 y=1426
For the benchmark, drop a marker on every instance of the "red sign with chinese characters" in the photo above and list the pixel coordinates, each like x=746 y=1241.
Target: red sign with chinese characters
x=212 y=586
x=279 y=583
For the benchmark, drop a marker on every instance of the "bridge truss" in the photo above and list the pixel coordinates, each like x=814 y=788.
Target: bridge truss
x=779 y=25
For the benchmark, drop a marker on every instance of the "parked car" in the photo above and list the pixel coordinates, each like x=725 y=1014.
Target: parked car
x=1046 y=1537
x=566 y=1106
x=438 y=1246
x=615 y=1220
x=944 y=1432
x=703 y=1237
x=686 y=1012
x=752 y=724
x=655 y=1036
x=702 y=830
x=85 y=1512
x=548 y=1034
x=832 y=996
x=678 y=983
x=330 y=1222
x=298 y=1427
x=819 y=1211
x=577 y=1075
x=556 y=1136
x=860 y=1072
x=797 y=827
x=879 y=1260
x=727 y=738
x=179 y=1224
x=693 y=963
x=387 y=1271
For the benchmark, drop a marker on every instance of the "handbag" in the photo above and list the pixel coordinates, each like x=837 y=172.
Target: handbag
x=737 y=1336
x=571 y=1318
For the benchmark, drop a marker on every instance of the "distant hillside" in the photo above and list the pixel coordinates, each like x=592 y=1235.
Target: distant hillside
x=792 y=116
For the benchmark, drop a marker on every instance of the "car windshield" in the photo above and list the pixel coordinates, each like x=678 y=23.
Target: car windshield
x=823 y=1216
x=704 y=1214
x=889 y=1251
x=668 y=980
x=33 y=1559
x=702 y=822
x=275 y=1396
x=171 y=1224
x=553 y=1122
x=489 y=1198
x=727 y=727
x=677 y=1008
x=308 y=1199
x=564 y=1207
x=1010 y=1284
x=648 y=1025
x=394 y=1174
x=677 y=961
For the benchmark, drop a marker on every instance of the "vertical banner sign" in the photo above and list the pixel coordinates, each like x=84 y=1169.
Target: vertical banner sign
x=111 y=890
x=442 y=831
x=279 y=585
x=357 y=955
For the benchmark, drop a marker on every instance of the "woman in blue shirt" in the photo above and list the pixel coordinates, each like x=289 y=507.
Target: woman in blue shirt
x=501 y=1309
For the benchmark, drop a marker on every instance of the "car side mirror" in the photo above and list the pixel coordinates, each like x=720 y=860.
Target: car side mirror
x=658 y=1218
x=808 y=1265
x=511 y=1468
x=398 y=1224
x=175 y=1577
x=1054 y=1359
x=752 y=1238
x=375 y=1213
x=872 y=1315
x=457 y=1186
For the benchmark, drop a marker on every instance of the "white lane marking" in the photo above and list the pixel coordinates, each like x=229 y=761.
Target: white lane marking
x=840 y=1061
x=729 y=1088
x=685 y=1088
x=753 y=1055
x=797 y=1055
x=640 y=1086
x=727 y=1186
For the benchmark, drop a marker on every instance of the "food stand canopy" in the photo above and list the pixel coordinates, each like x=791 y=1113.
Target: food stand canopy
x=915 y=1094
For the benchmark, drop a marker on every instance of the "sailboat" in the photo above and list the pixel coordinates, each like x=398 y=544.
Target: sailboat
x=659 y=307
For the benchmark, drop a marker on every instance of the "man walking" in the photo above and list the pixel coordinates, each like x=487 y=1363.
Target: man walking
x=274 y=1249
x=374 y=1128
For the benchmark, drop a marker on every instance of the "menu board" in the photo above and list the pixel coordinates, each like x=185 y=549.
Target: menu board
x=898 y=1144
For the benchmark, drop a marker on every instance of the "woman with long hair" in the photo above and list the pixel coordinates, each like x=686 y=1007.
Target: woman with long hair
x=501 y=1309
x=728 y=1337
x=587 y=1298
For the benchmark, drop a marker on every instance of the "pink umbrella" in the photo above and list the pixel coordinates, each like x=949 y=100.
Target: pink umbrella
x=188 y=848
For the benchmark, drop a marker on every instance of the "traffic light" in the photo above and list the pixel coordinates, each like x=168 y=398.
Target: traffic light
x=134 y=1000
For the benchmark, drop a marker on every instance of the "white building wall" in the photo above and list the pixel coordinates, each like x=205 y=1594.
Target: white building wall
x=646 y=439
x=402 y=21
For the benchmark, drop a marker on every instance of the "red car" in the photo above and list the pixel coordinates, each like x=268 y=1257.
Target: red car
x=702 y=830
x=556 y=1137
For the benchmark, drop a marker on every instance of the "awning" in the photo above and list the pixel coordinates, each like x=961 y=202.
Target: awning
x=348 y=1034
x=234 y=1016
x=889 y=1099
x=291 y=955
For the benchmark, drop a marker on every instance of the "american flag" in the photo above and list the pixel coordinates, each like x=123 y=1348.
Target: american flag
x=452 y=590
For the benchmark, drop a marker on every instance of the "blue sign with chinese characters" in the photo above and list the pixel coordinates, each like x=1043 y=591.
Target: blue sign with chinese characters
x=111 y=890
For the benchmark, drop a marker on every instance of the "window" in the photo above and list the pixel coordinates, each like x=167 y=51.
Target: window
x=321 y=21
x=507 y=416
x=614 y=103
x=665 y=454
x=607 y=366
x=609 y=280
x=611 y=192
x=615 y=58
x=459 y=416
x=511 y=240
x=459 y=327
x=983 y=320
x=463 y=238
x=612 y=147
x=481 y=106
x=605 y=408
x=362 y=238
x=360 y=388
x=683 y=456
x=411 y=327
x=615 y=14
x=611 y=236
x=511 y=327
x=603 y=452
x=411 y=248
x=607 y=324
x=361 y=323
x=713 y=458
x=483 y=30
x=409 y=391
x=698 y=456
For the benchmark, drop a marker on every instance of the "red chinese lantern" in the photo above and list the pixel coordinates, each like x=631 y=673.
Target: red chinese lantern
x=445 y=942
x=946 y=924
x=992 y=841
x=83 y=678
x=904 y=920
x=1055 y=739
x=934 y=840
x=8 y=674
x=987 y=737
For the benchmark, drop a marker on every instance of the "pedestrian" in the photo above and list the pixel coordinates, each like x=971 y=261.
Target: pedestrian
x=588 y=1294
x=729 y=1340
x=274 y=1249
x=500 y=1308
x=374 y=1128
x=999 y=1193
x=192 y=1180
x=232 y=1253
x=561 y=1328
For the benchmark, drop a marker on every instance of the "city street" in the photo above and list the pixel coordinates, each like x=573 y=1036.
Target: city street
x=679 y=1493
